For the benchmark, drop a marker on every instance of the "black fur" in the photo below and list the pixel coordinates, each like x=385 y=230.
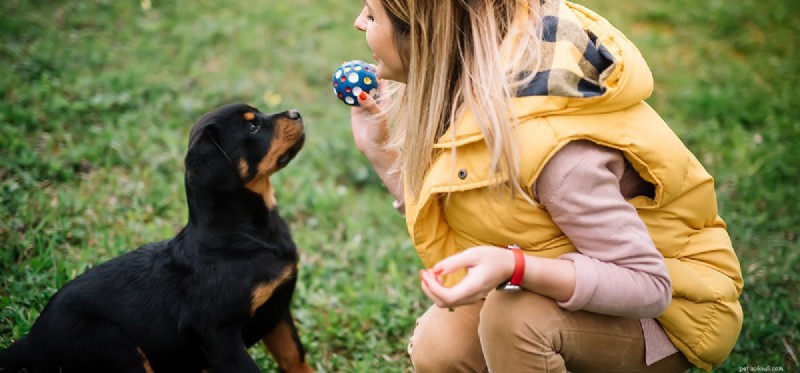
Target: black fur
x=186 y=304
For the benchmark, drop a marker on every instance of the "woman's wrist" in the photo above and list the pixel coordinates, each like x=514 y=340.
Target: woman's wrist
x=554 y=278
x=382 y=162
x=373 y=151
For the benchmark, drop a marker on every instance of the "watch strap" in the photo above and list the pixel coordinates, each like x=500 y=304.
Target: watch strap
x=519 y=266
x=515 y=283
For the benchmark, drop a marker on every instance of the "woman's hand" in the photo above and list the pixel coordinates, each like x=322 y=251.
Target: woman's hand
x=487 y=267
x=369 y=125
x=370 y=130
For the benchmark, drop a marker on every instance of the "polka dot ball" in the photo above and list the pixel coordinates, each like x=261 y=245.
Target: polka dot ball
x=352 y=78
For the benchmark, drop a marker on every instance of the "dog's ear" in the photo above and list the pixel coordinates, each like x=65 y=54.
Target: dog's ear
x=206 y=163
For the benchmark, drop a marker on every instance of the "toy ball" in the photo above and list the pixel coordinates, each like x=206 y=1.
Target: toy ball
x=352 y=78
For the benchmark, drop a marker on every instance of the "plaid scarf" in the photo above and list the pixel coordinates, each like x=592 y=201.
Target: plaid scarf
x=572 y=61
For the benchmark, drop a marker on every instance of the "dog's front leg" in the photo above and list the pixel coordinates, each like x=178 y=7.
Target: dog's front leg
x=284 y=345
x=226 y=352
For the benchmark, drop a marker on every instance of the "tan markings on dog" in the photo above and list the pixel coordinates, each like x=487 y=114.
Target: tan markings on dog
x=249 y=116
x=262 y=186
x=286 y=134
x=145 y=361
x=243 y=168
x=281 y=344
x=263 y=292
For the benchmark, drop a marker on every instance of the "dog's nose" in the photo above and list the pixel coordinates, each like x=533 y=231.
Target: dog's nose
x=293 y=114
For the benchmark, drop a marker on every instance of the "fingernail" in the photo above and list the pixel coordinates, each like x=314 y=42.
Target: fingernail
x=362 y=96
x=422 y=278
x=438 y=271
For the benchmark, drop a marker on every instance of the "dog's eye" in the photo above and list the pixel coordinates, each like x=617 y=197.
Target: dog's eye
x=254 y=127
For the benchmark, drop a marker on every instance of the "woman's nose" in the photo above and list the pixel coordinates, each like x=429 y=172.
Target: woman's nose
x=361 y=21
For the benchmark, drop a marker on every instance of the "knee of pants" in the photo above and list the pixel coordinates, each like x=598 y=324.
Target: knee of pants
x=444 y=342
x=523 y=317
x=427 y=358
x=435 y=352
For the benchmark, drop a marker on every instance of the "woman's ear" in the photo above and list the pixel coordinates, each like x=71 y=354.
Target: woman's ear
x=206 y=163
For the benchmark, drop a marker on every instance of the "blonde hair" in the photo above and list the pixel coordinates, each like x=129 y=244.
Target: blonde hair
x=460 y=54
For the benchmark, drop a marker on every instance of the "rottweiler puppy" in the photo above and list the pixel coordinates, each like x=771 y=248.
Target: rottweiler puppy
x=196 y=302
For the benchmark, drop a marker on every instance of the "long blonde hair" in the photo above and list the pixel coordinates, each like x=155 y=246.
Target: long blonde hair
x=460 y=54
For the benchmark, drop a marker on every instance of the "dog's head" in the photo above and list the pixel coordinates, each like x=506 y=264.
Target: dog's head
x=237 y=146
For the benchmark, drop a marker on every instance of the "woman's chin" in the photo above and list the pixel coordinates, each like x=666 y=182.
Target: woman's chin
x=383 y=74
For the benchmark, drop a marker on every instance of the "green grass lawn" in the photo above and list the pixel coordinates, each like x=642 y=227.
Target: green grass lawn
x=98 y=98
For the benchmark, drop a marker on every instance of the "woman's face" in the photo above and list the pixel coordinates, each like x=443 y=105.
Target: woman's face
x=374 y=21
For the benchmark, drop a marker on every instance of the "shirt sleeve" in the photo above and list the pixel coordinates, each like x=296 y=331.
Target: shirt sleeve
x=618 y=269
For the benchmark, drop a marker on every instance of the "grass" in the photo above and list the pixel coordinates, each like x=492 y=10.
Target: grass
x=98 y=98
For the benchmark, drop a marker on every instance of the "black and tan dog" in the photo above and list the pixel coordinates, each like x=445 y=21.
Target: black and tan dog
x=195 y=302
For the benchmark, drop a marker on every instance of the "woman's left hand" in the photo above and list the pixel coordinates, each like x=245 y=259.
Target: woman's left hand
x=487 y=267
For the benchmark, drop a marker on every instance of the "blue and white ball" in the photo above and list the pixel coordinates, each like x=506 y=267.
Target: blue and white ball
x=352 y=78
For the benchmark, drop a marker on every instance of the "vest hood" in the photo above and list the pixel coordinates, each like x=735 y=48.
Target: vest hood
x=588 y=67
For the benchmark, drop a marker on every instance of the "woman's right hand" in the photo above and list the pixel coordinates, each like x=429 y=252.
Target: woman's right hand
x=370 y=131
x=370 y=127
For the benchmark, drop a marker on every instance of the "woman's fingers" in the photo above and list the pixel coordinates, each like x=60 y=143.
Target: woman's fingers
x=485 y=266
x=425 y=279
x=469 y=290
x=368 y=104
x=369 y=125
x=453 y=263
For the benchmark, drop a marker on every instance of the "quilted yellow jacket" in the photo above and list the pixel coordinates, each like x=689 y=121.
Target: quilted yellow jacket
x=456 y=208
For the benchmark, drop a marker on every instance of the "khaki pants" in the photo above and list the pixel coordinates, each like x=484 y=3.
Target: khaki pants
x=526 y=332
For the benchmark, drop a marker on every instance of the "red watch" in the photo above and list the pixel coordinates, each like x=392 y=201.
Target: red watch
x=515 y=282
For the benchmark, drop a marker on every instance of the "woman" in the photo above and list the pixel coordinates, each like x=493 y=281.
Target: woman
x=523 y=124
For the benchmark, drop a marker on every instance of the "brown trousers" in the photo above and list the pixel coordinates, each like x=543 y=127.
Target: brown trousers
x=527 y=332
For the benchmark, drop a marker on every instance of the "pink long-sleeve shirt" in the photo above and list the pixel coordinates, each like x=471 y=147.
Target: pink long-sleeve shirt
x=585 y=188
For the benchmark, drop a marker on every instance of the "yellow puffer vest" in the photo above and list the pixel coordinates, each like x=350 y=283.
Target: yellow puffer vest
x=456 y=209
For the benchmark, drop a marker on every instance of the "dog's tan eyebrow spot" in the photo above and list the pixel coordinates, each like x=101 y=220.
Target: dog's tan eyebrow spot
x=249 y=116
x=243 y=168
x=263 y=292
